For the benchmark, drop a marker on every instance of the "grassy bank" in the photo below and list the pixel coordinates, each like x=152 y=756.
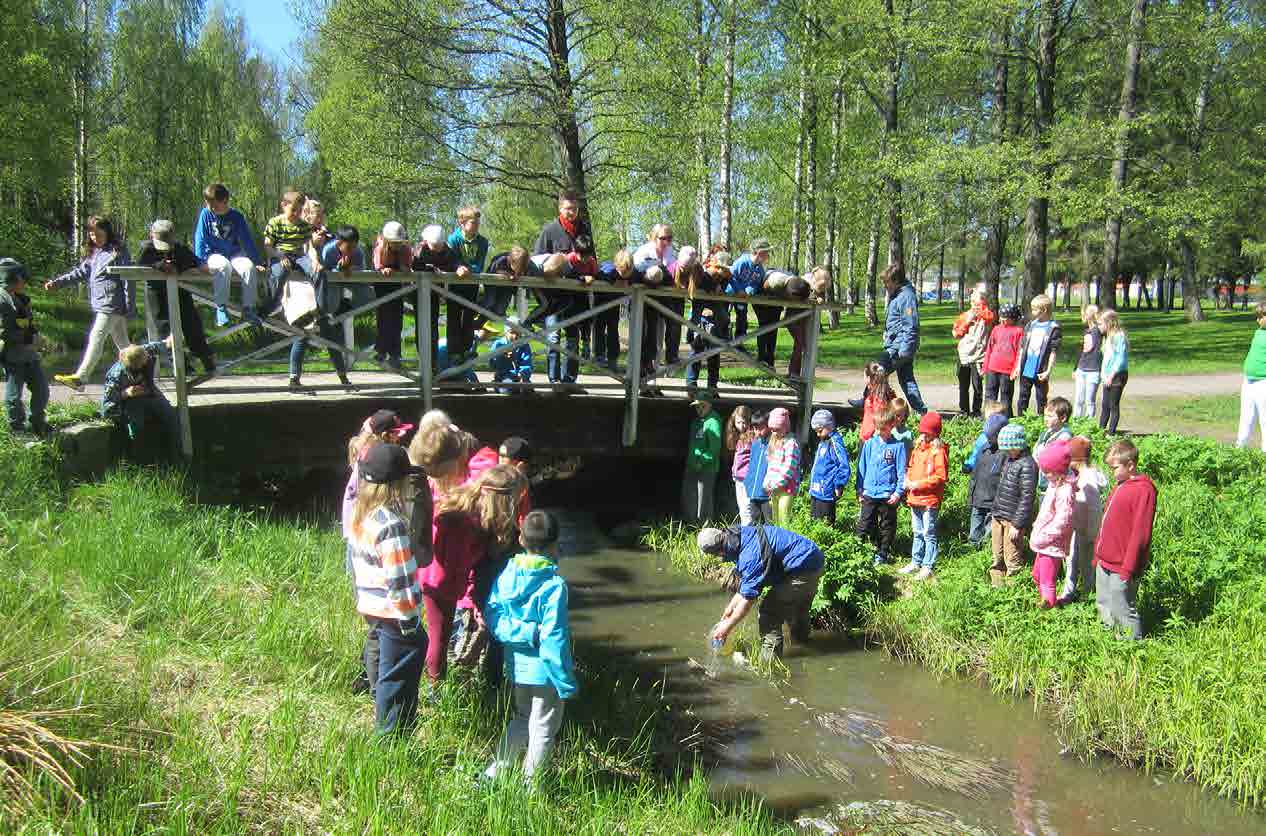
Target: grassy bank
x=205 y=655
x=1187 y=700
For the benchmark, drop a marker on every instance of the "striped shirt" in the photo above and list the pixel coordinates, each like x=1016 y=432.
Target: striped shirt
x=290 y=237
x=386 y=573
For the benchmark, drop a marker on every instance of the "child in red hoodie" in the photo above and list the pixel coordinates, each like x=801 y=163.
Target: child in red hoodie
x=1000 y=355
x=1125 y=539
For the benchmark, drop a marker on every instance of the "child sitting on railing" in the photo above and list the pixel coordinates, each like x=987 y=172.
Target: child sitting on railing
x=514 y=366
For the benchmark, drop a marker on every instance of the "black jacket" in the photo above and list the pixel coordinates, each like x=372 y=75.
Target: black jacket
x=180 y=255
x=1016 y=486
x=555 y=239
x=17 y=323
x=985 y=478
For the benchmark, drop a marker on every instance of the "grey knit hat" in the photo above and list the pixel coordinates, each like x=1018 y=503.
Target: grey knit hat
x=822 y=420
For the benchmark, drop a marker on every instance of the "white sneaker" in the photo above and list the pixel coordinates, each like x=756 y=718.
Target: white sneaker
x=925 y=573
x=908 y=568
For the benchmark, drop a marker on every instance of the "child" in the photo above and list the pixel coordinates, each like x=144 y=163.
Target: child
x=286 y=236
x=926 y=476
x=1086 y=374
x=1036 y=356
x=168 y=256
x=758 y=464
x=881 y=479
x=739 y=431
x=110 y=297
x=1253 y=390
x=387 y=592
x=606 y=325
x=703 y=322
x=320 y=235
x=1125 y=540
x=527 y=613
x=223 y=241
x=515 y=263
x=391 y=254
x=878 y=395
x=343 y=254
x=1012 y=504
x=984 y=481
x=1115 y=369
x=472 y=252
x=830 y=473
x=703 y=460
x=1001 y=354
x=1079 y=571
x=1052 y=535
x=901 y=430
x=971 y=330
x=991 y=409
x=17 y=351
x=130 y=394
x=432 y=254
x=513 y=366
x=782 y=478
x=1055 y=417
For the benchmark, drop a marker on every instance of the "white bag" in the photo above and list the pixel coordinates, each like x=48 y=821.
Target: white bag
x=298 y=303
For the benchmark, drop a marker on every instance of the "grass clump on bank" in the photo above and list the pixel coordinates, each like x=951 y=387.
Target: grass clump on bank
x=209 y=650
x=1187 y=699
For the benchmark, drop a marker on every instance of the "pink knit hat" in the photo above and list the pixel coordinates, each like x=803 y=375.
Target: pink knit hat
x=1055 y=458
x=780 y=420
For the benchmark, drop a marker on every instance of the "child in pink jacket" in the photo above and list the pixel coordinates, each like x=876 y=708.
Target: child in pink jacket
x=782 y=479
x=1052 y=535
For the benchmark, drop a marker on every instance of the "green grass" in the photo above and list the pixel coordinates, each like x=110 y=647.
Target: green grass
x=1213 y=416
x=1186 y=700
x=214 y=648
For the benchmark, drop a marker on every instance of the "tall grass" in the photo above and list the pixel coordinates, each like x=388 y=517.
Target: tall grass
x=216 y=647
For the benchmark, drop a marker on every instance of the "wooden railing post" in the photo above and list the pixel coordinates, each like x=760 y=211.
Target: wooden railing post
x=808 y=370
x=424 y=338
x=178 y=364
x=637 y=320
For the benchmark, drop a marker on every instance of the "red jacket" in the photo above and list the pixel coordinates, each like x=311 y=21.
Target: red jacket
x=1004 y=344
x=1125 y=538
x=926 y=474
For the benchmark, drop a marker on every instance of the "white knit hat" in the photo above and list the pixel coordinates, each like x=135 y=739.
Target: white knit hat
x=394 y=232
x=433 y=235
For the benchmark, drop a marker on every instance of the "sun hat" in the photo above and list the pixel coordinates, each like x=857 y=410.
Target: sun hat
x=160 y=234
x=761 y=245
x=780 y=420
x=711 y=540
x=1012 y=438
x=1055 y=458
x=822 y=420
x=930 y=423
x=386 y=463
x=393 y=232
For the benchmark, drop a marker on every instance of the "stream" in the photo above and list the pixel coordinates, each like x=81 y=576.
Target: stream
x=635 y=608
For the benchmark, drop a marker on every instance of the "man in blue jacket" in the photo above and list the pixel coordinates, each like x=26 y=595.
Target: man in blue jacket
x=901 y=332
x=764 y=556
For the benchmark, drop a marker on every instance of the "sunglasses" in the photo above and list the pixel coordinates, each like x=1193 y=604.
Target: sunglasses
x=665 y=237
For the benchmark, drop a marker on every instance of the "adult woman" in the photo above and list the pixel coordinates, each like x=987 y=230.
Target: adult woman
x=1253 y=392
x=971 y=330
x=110 y=297
x=657 y=261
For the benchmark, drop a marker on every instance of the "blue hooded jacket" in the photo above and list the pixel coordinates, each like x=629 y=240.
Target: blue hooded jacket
x=527 y=613
x=791 y=554
x=831 y=471
x=746 y=276
x=754 y=481
x=993 y=424
x=901 y=323
x=881 y=467
x=228 y=235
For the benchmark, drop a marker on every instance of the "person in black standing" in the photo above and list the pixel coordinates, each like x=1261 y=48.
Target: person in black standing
x=162 y=253
x=562 y=235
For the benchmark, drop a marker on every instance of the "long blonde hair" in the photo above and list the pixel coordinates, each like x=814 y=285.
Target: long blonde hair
x=372 y=495
x=495 y=498
x=1112 y=320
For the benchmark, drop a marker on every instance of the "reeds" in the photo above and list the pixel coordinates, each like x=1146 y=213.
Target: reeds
x=904 y=818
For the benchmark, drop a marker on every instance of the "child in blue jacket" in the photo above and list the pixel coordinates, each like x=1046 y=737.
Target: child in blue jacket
x=527 y=613
x=757 y=467
x=831 y=472
x=514 y=366
x=881 y=481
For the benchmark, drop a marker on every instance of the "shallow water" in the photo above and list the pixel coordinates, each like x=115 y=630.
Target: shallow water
x=634 y=607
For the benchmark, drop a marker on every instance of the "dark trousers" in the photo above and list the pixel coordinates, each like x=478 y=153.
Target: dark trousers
x=461 y=322
x=739 y=319
x=798 y=332
x=720 y=330
x=1110 y=412
x=766 y=344
x=390 y=321
x=136 y=412
x=877 y=522
x=672 y=329
x=969 y=389
x=762 y=511
x=606 y=333
x=1000 y=387
x=650 y=343
x=822 y=509
x=557 y=305
x=299 y=348
x=190 y=323
x=1039 y=388
x=904 y=366
x=369 y=655
x=496 y=299
x=395 y=684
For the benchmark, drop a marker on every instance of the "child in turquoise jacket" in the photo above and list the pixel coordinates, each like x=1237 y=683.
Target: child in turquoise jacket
x=527 y=613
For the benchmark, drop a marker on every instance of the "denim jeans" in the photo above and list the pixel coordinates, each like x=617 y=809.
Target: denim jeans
x=559 y=367
x=720 y=330
x=28 y=372
x=981 y=524
x=299 y=348
x=395 y=684
x=904 y=366
x=1085 y=387
x=923 y=547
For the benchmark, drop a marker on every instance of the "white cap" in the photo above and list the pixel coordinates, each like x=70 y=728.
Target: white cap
x=394 y=232
x=160 y=234
x=433 y=235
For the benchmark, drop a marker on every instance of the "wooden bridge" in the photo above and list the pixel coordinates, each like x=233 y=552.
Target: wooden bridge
x=424 y=384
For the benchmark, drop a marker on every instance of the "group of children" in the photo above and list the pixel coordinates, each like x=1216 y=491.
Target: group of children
x=442 y=530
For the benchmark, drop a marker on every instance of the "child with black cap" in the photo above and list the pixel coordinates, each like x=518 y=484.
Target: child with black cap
x=17 y=350
x=387 y=592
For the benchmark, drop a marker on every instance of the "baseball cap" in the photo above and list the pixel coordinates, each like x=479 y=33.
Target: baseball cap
x=386 y=463
x=11 y=270
x=394 y=232
x=703 y=397
x=761 y=245
x=516 y=449
x=386 y=420
x=711 y=540
x=160 y=234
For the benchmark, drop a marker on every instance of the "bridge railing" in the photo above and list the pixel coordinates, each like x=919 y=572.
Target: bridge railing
x=426 y=288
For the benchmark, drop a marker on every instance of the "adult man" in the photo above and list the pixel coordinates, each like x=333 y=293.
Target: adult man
x=901 y=332
x=703 y=459
x=170 y=256
x=560 y=236
x=765 y=556
x=1125 y=540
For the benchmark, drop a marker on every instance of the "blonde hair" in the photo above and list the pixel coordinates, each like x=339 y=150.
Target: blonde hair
x=134 y=358
x=436 y=446
x=292 y=196
x=554 y=266
x=1041 y=302
x=658 y=230
x=623 y=261
x=468 y=213
x=361 y=443
x=1111 y=322
x=494 y=498
x=370 y=496
x=1089 y=314
x=900 y=407
x=518 y=259
x=993 y=408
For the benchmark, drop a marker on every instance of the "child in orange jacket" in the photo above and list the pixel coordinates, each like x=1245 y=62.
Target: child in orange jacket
x=926 y=475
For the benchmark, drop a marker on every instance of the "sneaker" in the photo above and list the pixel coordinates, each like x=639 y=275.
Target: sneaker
x=924 y=573
x=221 y=316
x=909 y=568
x=344 y=379
x=69 y=380
x=880 y=560
x=294 y=385
x=252 y=316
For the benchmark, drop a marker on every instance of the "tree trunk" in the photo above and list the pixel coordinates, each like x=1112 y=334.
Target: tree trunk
x=915 y=274
x=1125 y=118
x=872 y=269
x=851 y=290
x=833 y=204
x=1192 y=310
x=802 y=125
x=1190 y=288
x=1000 y=226
x=811 y=183
x=1036 y=217
x=727 y=125
x=703 y=199
x=80 y=90
x=962 y=276
x=565 y=125
x=892 y=185
x=940 y=268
